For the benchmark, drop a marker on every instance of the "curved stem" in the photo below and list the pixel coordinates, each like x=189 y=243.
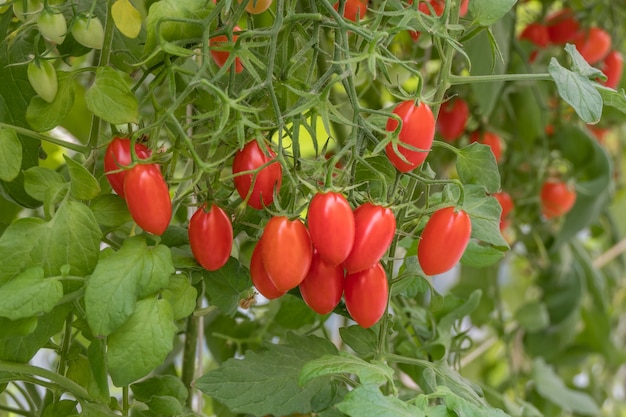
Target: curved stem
x=474 y=79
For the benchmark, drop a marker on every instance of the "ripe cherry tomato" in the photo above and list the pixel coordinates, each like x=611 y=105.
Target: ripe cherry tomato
x=353 y=8
x=287 y=252
x=438 y=6
x=322 y=287
x=260 y=278
x=557 y=198
x=374 y=227
x=491 y=139
x=562 y=26
x=366 y=294
x=506 y=202
x=612 y=67
x=536 y=33
x=257 y=6
x=593 y=45
x=452 y=119
x=210 y=237
x=443 y=240
x=418 y=131
x=268 y=178
x=148 y=198
x=220 y=56
x=117 y=156
x=331 y=225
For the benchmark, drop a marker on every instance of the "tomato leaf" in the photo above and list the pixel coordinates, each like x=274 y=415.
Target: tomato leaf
x=476 y=164
x=162 y=385
x=462 y=407
x=367 y=400
x=43 y=116
x=111 y=99
x=376 y=373
x=480 y=256
x=126 y=17
x=40 y=182
x=484 y=212
x=226 y=286
x=29 y=294
x=110 y=210
x=580 y=65
x=84 y=186
x=10 y=155
x=578 y=91
x=362 y=341
x=142 y=342
x=488 y=12
x=267 y=382
x=610 y=97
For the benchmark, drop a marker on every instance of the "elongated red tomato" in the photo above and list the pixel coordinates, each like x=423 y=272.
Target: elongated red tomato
x=116 y=157
x=562 y=26
x=287 y=252
x=260 y=278
x=353 y=8
x=210 y=237
x=490 y=139
x=612 y=67
x=443 y=240
x=220 y=56
x=374 y=227
x=536 y=33
x=366 y=294
x=452 y=119
x=417 y=131
x=148 y=198
x=506 y=202
x=557 y=198
x=331 y=226
x=322 y=287
x=266 y=179
x=594 y=44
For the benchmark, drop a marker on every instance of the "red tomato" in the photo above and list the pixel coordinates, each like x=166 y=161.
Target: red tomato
x=210 y=237
x=594 y=44
x=418 y=131
x=374 y=227
x=117 y=156
x=612 y=67
x=322 y=287
x=562 y=27
x=148 y=198
x=220 y=56
x=452 y=119
x=257 y=6
x=353 y=8
x=491 y=139
x=260 y=279
x=438 y=6
x=506 y=202
x=331 y=225
x=287 y=252
x=536 y=33
x=268 y=178
x=598 y=132
x=444 y=240
x=366 y=294
x=557 y=198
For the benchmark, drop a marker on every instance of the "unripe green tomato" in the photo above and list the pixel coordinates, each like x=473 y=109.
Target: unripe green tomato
x=88 y=31
x=30 y=12
x=52 y=25
x=43 y=78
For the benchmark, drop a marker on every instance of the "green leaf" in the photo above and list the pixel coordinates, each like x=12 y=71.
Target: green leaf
x=62 y=408
x=294 y=313
x=462 y=407
x=142 y=342
x=479 y=255
x=533 y=316
x=367 y=400
x=84 y=186
x=580 y=65
x=96 y=353
x=578 y=91
x=488 y=12
x=551 y=387
x=110 y=210
x=29 y=294
x=375 y=177
x=267 y=382
x=134 y=271
x=111 y=99
x=226 y=286
x=476 y=164
x=10 y=155
x=43 y=116
x=181 y=295
x=127 y=18
x=362 y=341
x=40 y=182
x=20 y=327
x=610 y=97
x=484 y=212
x=376 y=373
x=161 y=385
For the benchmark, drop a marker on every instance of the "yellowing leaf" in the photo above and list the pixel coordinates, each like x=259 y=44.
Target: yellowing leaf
x=127 y=19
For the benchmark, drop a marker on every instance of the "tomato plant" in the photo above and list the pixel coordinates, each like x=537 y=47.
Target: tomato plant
x=257 y=6
x=218 y=45
x=353 y=9
x=43 y=78
x=331 y=226
x=613 y=66
x=366 y=294
x=562 y=26
x=490 y=139
x=263 y=182
x=322 y=287
x=52 y=25
x=536 y=33
x=260 y=278
x=148 y=199
x=415 y=137
x=506 y=203
x=88 y=31
x=374 y=228
x=557 y=198
x=444 y=240
x=593 y=44
x=118 y=156
x=452 y=119
x=210 y=236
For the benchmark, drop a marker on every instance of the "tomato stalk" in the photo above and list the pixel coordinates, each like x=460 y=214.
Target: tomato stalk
x=475 y=79
x=40 y=136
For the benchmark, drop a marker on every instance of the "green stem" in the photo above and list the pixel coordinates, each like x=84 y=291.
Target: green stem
x=40 y=136
x=16 y=411
x=125 y=400
x=474 y=79
x=189 y=354
x=65 y=348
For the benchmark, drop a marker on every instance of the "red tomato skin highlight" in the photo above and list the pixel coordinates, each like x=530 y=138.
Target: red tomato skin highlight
x=331 y=226
x=557 y=198
x=210 y=237
x=117 y=156
x=365 y=294
x=260 y=278
x=374 y=228
x=220 y=57
x=148 y=198
x=251 y=158
x=452 y=119
x=287 y=252
x=593 y=45
x=612 y=66
x=323 y=285
x=418 y=131
x=444 y=240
